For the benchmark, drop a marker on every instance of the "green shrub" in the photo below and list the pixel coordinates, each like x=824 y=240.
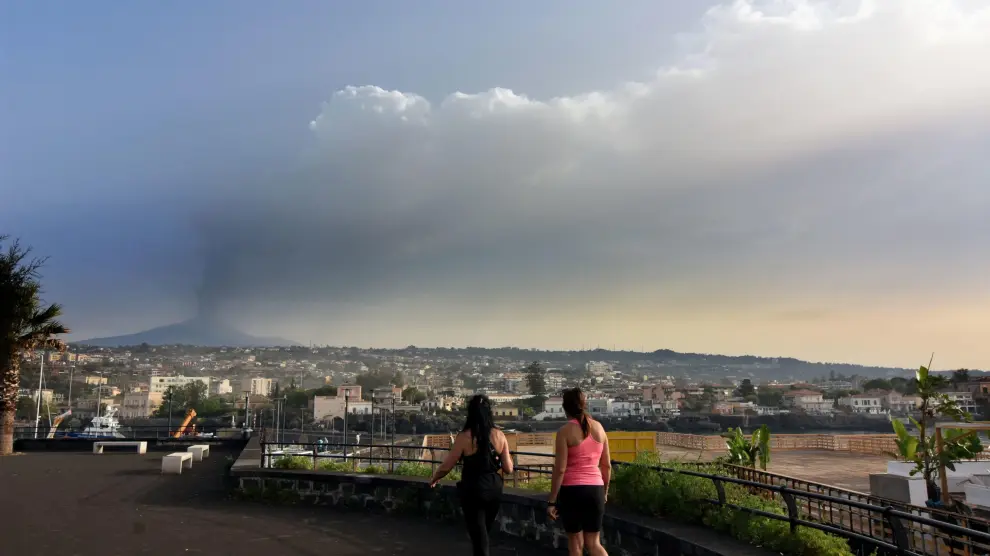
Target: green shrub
x=376 y=470
x=540 y=483
x=676 y=496
x=410 y=469
x=327 y=464
x=293 y=462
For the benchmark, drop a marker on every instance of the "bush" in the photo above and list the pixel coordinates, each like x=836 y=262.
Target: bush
x=682 y=497
x=327 y=464
x=410 y=469
x=540 y=483
x=293 y=462
x=376 y=470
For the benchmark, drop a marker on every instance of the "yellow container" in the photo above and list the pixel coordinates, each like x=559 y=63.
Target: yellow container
x=625 y=445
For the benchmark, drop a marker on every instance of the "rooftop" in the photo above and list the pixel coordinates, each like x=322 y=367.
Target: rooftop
x=119 y=503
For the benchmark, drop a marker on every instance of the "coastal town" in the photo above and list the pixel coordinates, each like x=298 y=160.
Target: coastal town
x=314 y=386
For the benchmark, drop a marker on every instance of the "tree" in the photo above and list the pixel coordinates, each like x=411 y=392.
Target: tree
x=746 y=388
x=923 y=450
x=960 y=376
x=27 y=324
x=322 y=391
x=770 y=398
x=877 y=384
x=535 y=379
x=413 y=395
x=194 y=394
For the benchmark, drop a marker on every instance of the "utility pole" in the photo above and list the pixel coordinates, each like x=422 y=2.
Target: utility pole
x=72 y=371
x=344 y=443
x=37 y=407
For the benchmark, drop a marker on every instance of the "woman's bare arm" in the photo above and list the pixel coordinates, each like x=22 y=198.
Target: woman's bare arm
x=453 y=456
x=504 y=454
x=559 y=465
x=605 y=463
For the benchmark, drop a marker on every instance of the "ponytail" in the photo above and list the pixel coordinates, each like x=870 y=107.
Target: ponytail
x=583 y=421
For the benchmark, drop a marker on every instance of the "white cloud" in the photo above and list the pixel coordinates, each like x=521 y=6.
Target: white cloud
x=800 y=153
x=772 y=86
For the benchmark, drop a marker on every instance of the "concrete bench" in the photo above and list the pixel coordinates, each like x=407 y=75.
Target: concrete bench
x=199 y=451
x=174 y=462
x=141 y=445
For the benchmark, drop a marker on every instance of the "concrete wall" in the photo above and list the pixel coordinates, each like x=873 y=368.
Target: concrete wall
x=523 y=514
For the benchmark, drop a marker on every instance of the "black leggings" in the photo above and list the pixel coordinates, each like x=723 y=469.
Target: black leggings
x=480 y=510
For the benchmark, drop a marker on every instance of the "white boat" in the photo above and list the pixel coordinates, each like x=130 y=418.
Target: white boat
x=102 y=426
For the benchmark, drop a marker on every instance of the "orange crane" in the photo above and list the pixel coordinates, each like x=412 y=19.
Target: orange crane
x=190 y=415
x=58 y=421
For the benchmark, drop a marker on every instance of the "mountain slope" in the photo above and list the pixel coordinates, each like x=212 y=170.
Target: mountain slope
x=195 y=332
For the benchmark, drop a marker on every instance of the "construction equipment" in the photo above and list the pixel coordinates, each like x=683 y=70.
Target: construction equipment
x=56 y=422
x=190 y=415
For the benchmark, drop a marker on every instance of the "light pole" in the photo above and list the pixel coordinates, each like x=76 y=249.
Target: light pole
x=171 y=394
x=344 y=443
x=72 y=371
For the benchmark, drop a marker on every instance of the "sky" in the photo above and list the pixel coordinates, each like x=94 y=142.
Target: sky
x=773 y=177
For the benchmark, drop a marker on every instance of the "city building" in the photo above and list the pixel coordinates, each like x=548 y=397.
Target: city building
x=221 y=387
x=964 y=400
x=808 y=401
x=870 y=404
x=384 y=394
x=331 y=407
x=554 y=408
x=256 y=386
x=160 y=384
x=140 y=405
x=352 y=391
x=505 y=412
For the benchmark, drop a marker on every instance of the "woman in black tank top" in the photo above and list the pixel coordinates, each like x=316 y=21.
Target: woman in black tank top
x=483 y=451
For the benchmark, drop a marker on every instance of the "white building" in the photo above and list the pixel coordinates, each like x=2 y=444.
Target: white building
x=140 y=405
x=625 y=408
x=808 y=401
x=598 y=368
x=222 y=387
x=160 y=384
x=554 y=408
x=964 y=400
x=256 y=386
x=870 y=404
x=330 y=407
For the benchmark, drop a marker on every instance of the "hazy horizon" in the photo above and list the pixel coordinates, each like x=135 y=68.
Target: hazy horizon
x=804 y=178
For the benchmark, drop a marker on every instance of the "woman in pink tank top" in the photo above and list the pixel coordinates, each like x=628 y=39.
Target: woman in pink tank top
x=581 y=473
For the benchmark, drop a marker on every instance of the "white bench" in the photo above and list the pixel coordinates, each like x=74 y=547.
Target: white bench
x=199 y=451
x=141 y=445
x=174 y=462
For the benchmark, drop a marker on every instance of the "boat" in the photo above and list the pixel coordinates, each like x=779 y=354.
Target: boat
x=102 y=426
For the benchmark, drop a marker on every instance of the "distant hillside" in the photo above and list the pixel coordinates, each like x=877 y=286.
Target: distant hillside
x=193 y=332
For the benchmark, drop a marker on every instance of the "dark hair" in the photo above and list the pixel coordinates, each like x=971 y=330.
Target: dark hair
x=574 y=406
x=480 y=422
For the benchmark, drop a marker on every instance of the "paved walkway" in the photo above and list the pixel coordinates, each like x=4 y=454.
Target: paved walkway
x=80 y=504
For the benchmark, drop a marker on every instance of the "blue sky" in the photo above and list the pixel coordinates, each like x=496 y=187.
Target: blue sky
x=142 y=142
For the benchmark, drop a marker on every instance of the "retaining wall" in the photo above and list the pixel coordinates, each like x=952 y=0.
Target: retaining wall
x=523 y=514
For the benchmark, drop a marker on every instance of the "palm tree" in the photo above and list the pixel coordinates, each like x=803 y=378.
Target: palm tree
x=26 y=325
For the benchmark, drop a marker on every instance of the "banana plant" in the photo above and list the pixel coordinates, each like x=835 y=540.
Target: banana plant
x=923 y=450
x=748 y=452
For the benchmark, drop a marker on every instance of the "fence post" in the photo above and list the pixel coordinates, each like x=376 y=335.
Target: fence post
x=792 y=511
x=316 y=454
x=720 y=489
x=515 y=472
x=900 y=534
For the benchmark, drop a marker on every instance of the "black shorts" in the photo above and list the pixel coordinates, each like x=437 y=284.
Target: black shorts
x=581 y=508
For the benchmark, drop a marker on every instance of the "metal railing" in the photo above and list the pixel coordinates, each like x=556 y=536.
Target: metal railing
x=130 y=432
x=890 y=528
